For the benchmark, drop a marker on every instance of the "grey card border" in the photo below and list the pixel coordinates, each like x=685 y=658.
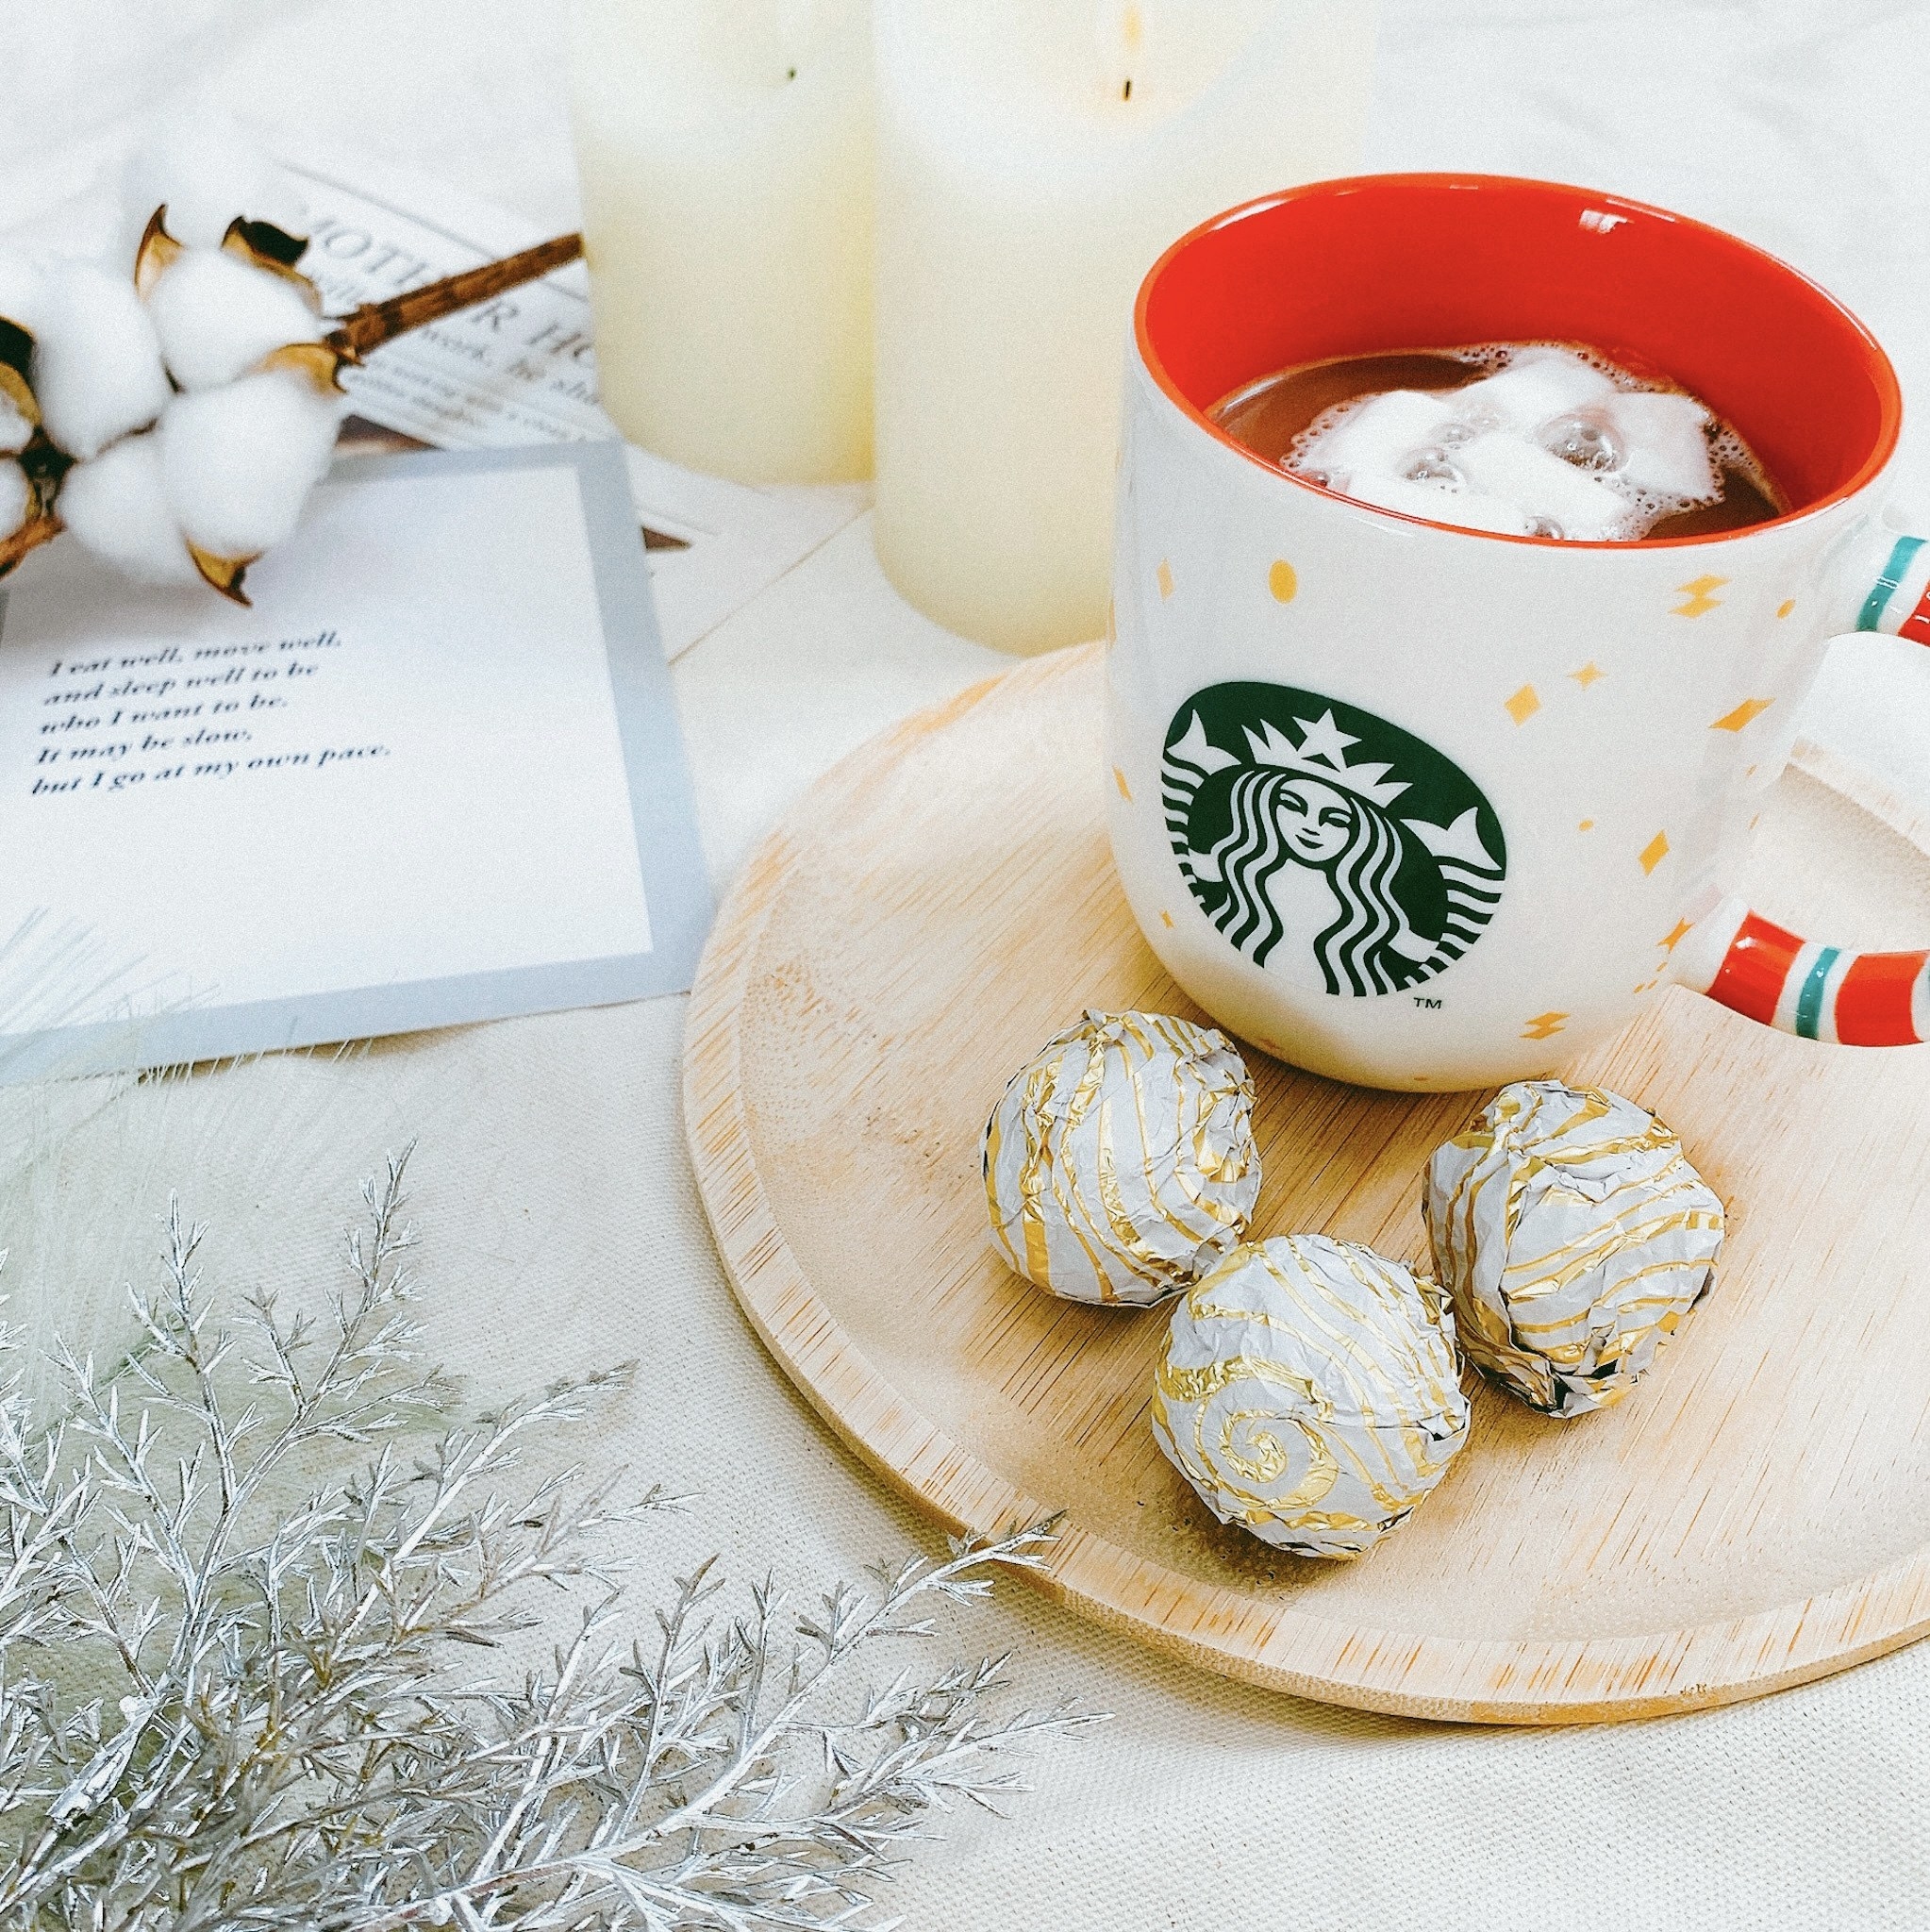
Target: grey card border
x=676 y=885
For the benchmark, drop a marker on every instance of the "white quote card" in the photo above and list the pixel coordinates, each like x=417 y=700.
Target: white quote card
x=433 y=775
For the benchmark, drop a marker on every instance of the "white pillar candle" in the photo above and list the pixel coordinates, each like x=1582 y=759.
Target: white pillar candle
x=1035 y=156
x=725 y=153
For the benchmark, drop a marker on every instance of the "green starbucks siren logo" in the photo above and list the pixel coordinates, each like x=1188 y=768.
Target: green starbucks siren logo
x=1327 y=844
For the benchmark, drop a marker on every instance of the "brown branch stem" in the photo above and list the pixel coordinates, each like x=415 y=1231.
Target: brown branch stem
x=29 y=537
x=376 y=323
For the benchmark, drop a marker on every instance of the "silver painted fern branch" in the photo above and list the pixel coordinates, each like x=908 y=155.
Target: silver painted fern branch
x=221 y=1709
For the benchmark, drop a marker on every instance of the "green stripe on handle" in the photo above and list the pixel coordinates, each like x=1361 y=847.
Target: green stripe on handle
x=1885 y=587
x=1809 y=1001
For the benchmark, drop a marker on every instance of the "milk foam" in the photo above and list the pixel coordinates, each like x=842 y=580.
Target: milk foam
x=1552 y=443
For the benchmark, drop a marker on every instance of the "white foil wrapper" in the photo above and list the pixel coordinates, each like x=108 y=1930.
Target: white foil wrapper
x=1121 y=1162
x=1574 y=1237
x=1310 y=1393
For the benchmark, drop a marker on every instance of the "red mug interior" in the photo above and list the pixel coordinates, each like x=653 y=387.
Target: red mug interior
x=1386 y=262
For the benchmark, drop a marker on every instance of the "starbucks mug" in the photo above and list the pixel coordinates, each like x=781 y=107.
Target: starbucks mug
x=1424 y=808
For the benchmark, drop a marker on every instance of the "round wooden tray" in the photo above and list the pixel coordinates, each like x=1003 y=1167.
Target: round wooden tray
x=1757 y=1512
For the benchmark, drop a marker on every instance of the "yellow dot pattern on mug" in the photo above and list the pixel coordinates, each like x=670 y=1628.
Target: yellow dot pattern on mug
x=1788 y=603
x=1119 y=779
x=1524 y=705
x=1283 y=581
x=1744 y=713
x=1164 y=576
x=1654 y=852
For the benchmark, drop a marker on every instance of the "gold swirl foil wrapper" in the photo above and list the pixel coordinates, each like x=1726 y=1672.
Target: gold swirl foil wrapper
x=1121 y=1162
x=1574 y=1237
x=1310 y=1393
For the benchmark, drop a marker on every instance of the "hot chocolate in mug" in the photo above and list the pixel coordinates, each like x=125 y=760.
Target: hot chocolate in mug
x=1426 y=808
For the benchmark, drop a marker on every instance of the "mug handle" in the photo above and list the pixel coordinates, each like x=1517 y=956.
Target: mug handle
x=1766 y=972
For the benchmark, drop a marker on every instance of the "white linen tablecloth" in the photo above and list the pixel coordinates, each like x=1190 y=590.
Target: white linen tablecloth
x=560 y=1224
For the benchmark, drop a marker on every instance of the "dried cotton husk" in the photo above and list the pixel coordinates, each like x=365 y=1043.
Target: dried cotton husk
x=20 y=414
x=16 y=497
x=23 y=286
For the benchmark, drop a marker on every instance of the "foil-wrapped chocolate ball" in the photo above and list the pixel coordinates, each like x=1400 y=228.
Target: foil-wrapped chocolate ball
x=1121 y=1162
x=1574 y=1237
x=1310 y=1393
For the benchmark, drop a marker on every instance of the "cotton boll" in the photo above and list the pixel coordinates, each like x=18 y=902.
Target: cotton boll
x=97 y=366
x=22 y=283
x=16 y=498
x=1539 y=485
x=239 y=462
x=23 y=286
x=16 y=432
x=217 y=316
x=205 y=169
x=117 y=508
x=1537 y=386
x=1668 y=453
x=1465 y=509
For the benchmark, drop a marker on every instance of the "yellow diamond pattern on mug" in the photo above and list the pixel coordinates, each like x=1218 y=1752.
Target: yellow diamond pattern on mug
x=1164 y=575
x=1590 y=673
x=1744 y=713
x=1676 y=934
x=1544 y=1026
x=1126 y=791
x=1524 y=705
x=1698 y=592
x=1283 y=581
x=1654 y=852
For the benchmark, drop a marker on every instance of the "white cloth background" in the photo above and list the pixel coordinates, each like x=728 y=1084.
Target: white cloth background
x=560 y=1223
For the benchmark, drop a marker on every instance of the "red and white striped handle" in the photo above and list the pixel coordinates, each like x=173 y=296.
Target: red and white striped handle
x=1769 y=973
x=1766 y=972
